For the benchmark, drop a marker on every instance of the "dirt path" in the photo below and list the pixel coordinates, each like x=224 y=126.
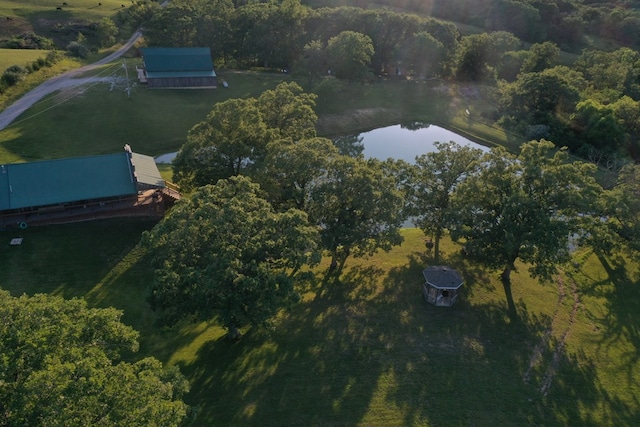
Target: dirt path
x=537 y=360
x=60 y=82
x=65 y=80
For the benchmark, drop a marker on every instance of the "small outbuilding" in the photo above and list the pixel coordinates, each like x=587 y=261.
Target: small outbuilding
x=180 y=67
x=441 y=285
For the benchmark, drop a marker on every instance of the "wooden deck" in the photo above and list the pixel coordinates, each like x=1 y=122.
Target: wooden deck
x=149 y=203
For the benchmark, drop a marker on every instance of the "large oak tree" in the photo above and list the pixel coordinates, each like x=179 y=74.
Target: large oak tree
x=288 y=111
x=60 y=366
x=524 y=207
x=291 y=170
x=350 y=55
x=435 y=177
x=358 y=208
x=225 y=252
x=230 y=140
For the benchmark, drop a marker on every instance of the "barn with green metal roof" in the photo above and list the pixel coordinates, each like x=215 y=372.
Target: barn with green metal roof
x=32 y=192
x=184 y=67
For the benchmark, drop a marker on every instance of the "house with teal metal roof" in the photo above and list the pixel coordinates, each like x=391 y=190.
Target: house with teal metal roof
x=29 y=191
x=183 y=67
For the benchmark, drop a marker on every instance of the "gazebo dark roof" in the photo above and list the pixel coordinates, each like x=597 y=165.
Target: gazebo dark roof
x=442 y=277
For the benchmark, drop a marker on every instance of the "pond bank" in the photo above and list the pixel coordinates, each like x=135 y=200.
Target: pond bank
x=356 y=121
x=365 y=119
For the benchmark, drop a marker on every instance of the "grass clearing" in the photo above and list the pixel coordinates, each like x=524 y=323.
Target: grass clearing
x=367 y=349
x=21 y=57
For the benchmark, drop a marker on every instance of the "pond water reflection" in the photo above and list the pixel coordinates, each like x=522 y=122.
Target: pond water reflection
x=401 y=142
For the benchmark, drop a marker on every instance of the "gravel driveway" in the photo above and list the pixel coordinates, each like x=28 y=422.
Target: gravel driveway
x=62 y=81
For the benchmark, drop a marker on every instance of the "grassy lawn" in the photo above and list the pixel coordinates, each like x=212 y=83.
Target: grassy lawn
x=366 y=349
x=100 y=118
x=21 y=57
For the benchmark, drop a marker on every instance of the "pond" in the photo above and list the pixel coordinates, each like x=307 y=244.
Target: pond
x=401 y=142
x=398 y=142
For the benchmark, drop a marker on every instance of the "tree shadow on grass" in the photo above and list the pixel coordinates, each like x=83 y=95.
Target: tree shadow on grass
x=621 y=322
x=476 y=367
x=334 y=359
x=69 y=260
x=319 y=367
x=369 y=350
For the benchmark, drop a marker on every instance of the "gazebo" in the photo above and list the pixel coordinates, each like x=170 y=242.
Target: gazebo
x=441 y=285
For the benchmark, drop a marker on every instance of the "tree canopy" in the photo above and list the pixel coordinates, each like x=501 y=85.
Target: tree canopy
x=435 y=177
x=291 y=170
x=225 y=252
x=350 y=54
x=358 y=208
x=542 y=98
x=60 y=366
x=232 y=140
x=288 y=112
x=618 y=225
x=524 y=207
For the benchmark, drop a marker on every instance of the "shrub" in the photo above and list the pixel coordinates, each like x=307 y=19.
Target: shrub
x=51 y=58
x=107 y=32
x=28 y=41
x=13 y=75
x=78 y=49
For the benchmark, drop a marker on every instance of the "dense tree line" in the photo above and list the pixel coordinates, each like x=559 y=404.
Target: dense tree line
x=590 y=107
x=275 y=34
x=564 y=22
x=275 y=31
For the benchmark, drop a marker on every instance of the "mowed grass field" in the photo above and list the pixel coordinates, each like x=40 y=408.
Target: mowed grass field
x=366 y=349
x=21 y=57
